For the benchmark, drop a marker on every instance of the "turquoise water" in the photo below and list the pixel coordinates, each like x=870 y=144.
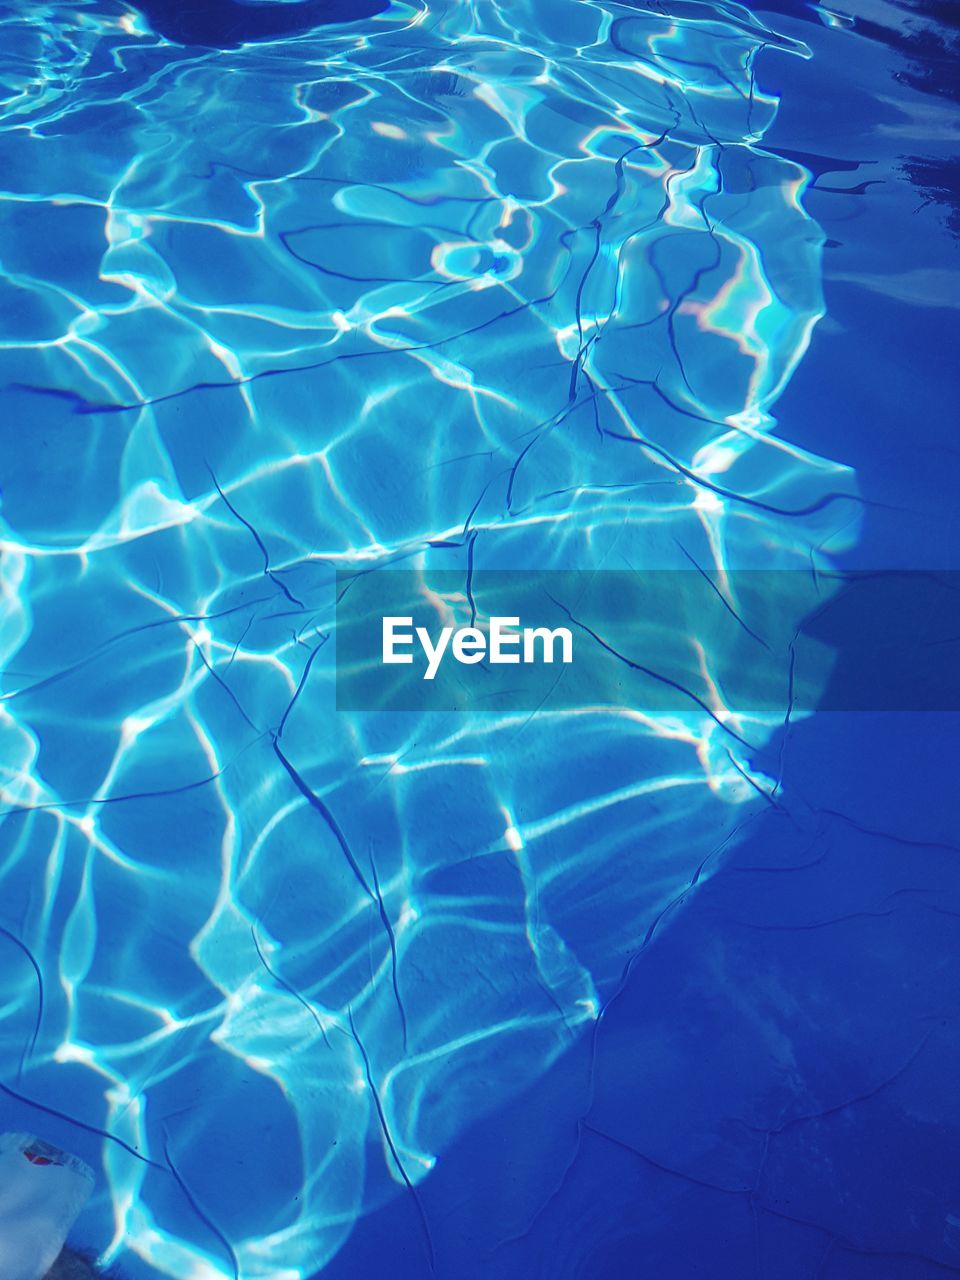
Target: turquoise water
x=449 y=287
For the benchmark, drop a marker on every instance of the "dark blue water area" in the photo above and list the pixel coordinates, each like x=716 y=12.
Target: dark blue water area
x=770 y=1090
x=226 y=24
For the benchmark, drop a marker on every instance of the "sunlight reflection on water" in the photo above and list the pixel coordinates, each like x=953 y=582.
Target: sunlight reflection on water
x=517 y=287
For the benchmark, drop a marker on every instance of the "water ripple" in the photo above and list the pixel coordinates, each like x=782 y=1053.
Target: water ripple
x=514 y=285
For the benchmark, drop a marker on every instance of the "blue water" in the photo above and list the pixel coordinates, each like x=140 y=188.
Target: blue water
x=589 y=992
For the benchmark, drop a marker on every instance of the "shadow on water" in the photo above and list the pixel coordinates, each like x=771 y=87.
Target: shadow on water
x=930 y=41
x=225 y=24
x=926 y=35
x=787 y=1046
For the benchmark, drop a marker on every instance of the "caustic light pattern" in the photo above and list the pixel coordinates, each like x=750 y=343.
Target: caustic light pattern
x=465 y=285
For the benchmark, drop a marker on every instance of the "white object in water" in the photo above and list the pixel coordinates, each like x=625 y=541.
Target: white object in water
x=42 y=1189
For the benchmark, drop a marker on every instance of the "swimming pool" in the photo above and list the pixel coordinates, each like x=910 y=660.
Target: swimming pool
x=457 y=289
